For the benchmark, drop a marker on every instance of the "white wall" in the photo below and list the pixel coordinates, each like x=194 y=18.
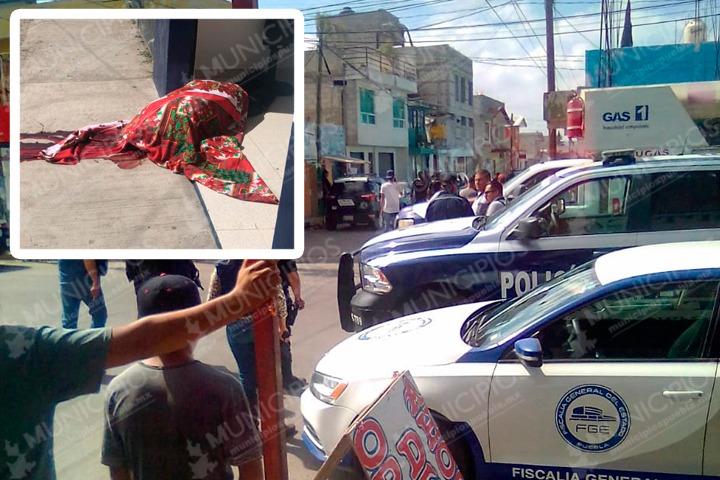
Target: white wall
x=382 y=133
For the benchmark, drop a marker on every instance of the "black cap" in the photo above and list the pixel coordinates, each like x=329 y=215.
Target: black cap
x=390 y=174
x=166 y=293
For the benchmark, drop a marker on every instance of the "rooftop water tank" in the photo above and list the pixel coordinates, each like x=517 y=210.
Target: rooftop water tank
x=695 y=31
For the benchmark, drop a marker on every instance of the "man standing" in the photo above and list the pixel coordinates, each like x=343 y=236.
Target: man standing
x=494 y=198
x=469 y=193
x=80 y=282
x=41 y=367
x=390 y=200
x=448 y=204
x=482 y=178
x=290 y=283
x=163 y=414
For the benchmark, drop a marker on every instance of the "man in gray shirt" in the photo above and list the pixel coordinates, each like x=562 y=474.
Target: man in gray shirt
x=172 y=416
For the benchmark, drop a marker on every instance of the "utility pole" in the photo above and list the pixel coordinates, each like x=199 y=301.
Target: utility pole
x=318 y=104
x=550 y=40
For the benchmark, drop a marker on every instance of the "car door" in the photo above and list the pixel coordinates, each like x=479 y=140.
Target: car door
x=583 y=220
x=625 y=385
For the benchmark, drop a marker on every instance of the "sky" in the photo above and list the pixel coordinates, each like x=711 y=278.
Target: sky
x=508 y=68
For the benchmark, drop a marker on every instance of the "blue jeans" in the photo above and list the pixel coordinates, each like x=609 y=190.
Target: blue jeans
x=389 y=221
x=242 y=345
x=71 y=294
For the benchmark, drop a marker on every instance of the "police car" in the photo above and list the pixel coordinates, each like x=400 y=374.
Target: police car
x=565 y=220
x=516 y=186
x=607 y=372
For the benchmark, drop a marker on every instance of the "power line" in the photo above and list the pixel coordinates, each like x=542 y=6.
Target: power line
x=513 y=22
x=479 y=39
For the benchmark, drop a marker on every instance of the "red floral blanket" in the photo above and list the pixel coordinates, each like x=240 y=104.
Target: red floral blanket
x=196 y=130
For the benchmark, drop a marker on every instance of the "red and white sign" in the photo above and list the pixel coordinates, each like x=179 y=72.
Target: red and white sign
x=397 y=437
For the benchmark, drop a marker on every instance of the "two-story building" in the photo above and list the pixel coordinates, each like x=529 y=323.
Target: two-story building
x=492 y=134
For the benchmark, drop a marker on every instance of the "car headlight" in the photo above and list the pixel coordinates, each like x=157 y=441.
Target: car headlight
x=405 y=223
x=374 y=280
x=326 y=388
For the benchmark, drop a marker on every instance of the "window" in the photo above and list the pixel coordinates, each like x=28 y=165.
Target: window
x=462 y=90
x=471 y=122
x=398 y=113
x=457 y=88
x=358 y=155
x=655 y=321
x=588 y=208
x=470 y=92
x=486 y=133
x=675 y=201
x=463 y=121
x=367 y=106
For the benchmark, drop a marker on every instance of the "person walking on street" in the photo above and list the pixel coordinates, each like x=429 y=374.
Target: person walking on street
x=448 y=204
x=162 y=414
x=80 y=282
x=44 y=366
x=390 y=200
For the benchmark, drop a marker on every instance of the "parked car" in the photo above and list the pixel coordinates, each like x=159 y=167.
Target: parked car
x=513 y=188
x=354 y=200
x=607 y=372
x=563 y=221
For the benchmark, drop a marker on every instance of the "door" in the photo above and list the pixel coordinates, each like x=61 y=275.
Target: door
x=583 y=221
x=625 y=385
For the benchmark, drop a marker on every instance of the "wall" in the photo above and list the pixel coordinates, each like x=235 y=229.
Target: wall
x=382 y=133
x=654 y=65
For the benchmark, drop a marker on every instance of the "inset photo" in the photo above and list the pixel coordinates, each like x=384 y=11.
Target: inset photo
x=156 y=133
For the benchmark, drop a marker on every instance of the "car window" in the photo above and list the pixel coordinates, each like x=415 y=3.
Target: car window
x=523 y=202
x=516 y=315
x=660 y=321
x=350 y=187
x=675 y=201
x=592 y=207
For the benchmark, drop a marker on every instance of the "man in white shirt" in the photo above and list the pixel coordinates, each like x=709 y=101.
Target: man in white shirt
x=390 y=193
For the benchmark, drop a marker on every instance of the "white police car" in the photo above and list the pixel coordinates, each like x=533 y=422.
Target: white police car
x=564 y=221
x=607 y=372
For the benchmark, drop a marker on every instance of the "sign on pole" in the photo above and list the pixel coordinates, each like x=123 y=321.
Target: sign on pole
x=396 y=438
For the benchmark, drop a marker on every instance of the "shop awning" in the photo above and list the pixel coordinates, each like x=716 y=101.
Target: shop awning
x=357 y=161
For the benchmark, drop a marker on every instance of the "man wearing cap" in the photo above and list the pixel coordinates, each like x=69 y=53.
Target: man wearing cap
x=164 y=416
x=390 y=193
x=41 y=367
x=447 y=203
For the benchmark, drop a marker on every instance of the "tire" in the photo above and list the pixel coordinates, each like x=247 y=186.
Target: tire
x=454 y=435
x=330 y=223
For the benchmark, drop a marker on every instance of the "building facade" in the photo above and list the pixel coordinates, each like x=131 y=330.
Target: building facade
x=493 y=139
x=444 y=81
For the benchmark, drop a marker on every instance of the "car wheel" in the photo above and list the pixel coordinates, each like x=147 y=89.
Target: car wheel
x=330 y=223
x=455 y=436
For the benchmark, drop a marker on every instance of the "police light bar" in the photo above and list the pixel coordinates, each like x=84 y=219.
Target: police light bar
x=612 y=158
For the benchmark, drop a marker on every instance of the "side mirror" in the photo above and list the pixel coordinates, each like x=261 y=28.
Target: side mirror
x=528 y=229
x=529 y=351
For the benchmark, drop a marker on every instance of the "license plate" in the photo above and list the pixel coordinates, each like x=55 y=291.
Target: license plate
x=345 y=202
x=348 y=218
x=356 y=319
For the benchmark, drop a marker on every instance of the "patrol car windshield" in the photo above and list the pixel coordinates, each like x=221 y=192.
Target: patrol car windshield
x=520 y=203
x=517 y=314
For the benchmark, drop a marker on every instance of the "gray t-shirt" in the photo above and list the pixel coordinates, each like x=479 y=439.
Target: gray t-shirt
x=189 y=421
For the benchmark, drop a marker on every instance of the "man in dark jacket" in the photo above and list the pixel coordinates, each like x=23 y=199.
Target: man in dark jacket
x=447 y=203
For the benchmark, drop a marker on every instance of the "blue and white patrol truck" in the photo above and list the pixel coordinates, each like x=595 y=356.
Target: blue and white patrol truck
x=609 y=372
x=564 y=221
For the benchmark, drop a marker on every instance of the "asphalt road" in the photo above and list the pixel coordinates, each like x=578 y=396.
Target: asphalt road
x=29 y=296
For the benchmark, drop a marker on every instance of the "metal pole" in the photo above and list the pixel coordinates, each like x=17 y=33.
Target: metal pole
x=318 y=104
x=550 y=40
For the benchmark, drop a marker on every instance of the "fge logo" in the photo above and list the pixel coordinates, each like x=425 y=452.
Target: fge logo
x=642 y=114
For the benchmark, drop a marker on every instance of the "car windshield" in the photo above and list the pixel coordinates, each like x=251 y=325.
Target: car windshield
x=525 y=199
x=350 y=187
x=517 y=314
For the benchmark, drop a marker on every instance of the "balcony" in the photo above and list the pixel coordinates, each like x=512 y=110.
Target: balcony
x=391 y=70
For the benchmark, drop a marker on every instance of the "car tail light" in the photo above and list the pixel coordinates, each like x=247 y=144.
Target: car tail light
x=368 y=197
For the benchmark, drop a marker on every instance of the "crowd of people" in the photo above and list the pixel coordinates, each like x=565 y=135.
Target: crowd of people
x=482 y=196
x=146 y=429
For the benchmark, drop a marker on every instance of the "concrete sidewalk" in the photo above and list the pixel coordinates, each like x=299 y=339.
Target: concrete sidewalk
x=75 y=73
